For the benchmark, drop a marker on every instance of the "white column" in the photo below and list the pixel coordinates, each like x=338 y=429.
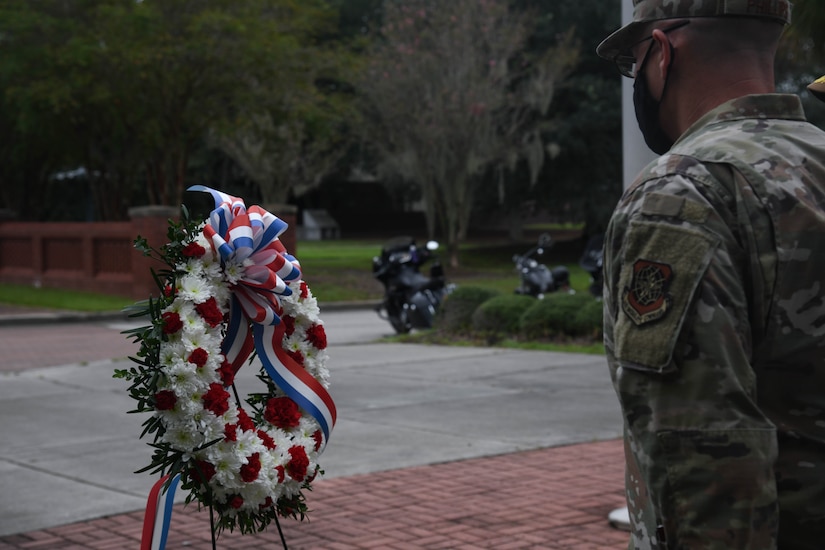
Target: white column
x=635 y=153
x=636 y=156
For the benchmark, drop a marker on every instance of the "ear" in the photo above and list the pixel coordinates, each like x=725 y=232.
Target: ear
x=665 y=53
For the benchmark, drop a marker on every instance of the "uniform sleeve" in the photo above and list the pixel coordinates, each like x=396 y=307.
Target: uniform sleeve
x=700 y=453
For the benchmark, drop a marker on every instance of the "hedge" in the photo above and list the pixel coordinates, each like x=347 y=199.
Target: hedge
x=501 y=315
x=456 y=311
x=561 y=314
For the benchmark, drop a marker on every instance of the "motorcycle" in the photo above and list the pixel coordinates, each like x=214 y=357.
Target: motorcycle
x=591 y=261
x=536 y=278
x=410 y=297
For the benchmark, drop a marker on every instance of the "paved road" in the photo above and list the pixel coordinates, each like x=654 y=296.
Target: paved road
x=69 y=448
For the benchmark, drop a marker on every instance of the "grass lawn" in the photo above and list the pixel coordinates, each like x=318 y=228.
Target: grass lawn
x=53 y=298
x=341 y=270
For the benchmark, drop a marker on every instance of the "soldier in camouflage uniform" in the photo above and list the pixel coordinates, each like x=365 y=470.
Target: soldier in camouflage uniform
x=715 y=286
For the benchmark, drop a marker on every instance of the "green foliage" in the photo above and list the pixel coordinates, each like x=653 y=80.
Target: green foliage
x=456 y=312
x=54 y=298
x=590 y=319
x=501 y=314
x=449 y=91
x=557 y=314
x=133 y=90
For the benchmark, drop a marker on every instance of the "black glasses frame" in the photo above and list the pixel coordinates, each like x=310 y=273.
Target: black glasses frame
x=626 y=62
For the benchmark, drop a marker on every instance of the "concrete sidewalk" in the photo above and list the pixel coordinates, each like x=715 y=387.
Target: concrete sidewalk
x=435 y=447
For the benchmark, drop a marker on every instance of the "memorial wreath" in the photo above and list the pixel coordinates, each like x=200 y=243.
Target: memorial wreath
x=231 y=293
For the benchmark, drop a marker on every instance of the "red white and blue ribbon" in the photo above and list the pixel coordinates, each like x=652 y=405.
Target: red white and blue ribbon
x=249 y=237
x=158 y=514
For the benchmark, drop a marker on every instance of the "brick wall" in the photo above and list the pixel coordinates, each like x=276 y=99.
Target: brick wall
x=95 y=257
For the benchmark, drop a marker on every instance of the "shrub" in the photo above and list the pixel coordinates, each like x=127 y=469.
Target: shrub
x=456 y=312
x=560 y=313
x=501 y=314
x=590 y=319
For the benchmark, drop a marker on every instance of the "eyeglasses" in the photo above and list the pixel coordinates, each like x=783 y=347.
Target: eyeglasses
x=626 y=62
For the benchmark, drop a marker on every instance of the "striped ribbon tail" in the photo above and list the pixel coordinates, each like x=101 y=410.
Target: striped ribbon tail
x=237 y=345
x=293 y=379
x=158 y=514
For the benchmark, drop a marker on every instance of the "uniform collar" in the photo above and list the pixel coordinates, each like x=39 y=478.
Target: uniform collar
x=757 y=106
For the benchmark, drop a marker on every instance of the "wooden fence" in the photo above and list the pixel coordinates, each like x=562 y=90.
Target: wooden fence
x=96 y=257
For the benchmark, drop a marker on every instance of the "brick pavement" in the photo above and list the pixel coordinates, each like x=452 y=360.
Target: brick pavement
x=27 y=346
x=556 y=498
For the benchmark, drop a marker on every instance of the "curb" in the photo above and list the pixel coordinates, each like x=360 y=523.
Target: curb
x=41 y=318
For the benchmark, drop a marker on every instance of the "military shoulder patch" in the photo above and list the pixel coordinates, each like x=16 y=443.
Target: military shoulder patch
x=647 y=298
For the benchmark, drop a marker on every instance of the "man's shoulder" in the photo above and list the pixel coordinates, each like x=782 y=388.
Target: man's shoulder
x=753 y=127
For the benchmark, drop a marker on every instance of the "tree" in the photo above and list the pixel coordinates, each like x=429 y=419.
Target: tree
x=449 y=91
x=292 y=129
x=130 y=90
x=52 y=80
x=584 y=179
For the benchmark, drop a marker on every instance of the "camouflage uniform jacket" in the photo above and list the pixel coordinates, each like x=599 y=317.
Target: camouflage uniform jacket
x=715 y=333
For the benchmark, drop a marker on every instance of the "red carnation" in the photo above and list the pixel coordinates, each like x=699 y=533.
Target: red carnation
x=171 y=322
x=282 y=412
x=236 y=502
x=203 y=471
x=318 y=438
x=165 y=400
x=268 y=442
x=168 y=291
x=216 y=399
x=230 y=432
x=193 y=250
x=244 y=421
x=249 y=471
x=304 y=290
x=266 y=504
x=198 y=357
x=227 y=373
x=298 y=463
x=317 y=336
x=297 y=356
x=210 y=312
x=281 y=473
x=289 y=324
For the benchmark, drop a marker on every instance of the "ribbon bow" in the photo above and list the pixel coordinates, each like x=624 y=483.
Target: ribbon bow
x=258 y=265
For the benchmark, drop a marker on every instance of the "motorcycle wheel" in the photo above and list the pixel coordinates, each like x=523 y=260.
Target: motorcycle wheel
x=399 y=317
x=400 y=322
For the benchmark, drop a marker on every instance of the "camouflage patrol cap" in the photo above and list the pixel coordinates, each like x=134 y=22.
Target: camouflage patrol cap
x=646 y=12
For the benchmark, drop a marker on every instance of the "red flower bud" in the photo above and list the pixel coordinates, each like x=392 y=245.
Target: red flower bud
x=171 y=322
x=210 y=312
x=165 y=400
x=289 y=324
x=198 y=357
x=249 y=471
x=230 y=432
x=317 y=336
x=268 y=442
x=282 y=412
x=203 y=471
x=227 y=374
x=298 y=463
x=216 y=399
x=244 y=421
x=193 y=250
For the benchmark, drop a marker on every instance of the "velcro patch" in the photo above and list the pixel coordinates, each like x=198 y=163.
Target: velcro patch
x=663 y=266
x=647 y=298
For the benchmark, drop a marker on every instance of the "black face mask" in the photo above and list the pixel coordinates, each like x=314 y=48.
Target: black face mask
x=647 y=112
